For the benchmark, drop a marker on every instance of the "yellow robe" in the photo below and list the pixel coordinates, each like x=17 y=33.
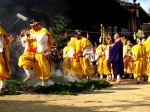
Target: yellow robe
x=67 y=61
x=5 y=71
x=27 y=59
x=103 y=67
x=147 y=47
x=42 y=64
x=127 y=57
x=139 y=60
x=80 y=64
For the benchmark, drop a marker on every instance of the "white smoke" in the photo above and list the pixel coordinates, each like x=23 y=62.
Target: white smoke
x=56 y=77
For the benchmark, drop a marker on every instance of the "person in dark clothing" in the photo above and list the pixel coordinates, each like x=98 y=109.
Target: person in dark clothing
x=116 y=58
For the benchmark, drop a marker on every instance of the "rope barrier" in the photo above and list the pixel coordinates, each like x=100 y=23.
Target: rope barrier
x=105 y=32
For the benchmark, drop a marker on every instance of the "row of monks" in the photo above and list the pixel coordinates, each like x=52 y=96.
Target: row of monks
x=80 y=57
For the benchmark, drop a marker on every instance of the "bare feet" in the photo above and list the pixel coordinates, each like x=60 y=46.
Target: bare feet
x=118 y=82
x=27 y=78
x=108 y=80
x=139 y=82
x=101 y=79
x=112 y=80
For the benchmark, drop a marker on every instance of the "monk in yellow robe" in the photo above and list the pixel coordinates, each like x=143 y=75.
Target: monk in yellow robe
x=81 y=47
x=27 y=59
x=68 y=60
x=139 y=61
x=5 y=71
x=101 y=55
x=44 y=43
x=146 y=43
x=127 y=59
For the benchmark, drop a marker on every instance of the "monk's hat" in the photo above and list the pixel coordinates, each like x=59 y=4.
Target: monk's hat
x=140 y=34
x=33 y=22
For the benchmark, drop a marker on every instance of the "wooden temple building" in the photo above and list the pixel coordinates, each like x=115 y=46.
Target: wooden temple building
x=115 y=15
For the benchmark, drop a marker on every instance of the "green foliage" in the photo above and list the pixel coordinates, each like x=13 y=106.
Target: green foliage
x=12 y=87
x=10 y=93
x=14 y=83
x=70 y=88
x=59 y=26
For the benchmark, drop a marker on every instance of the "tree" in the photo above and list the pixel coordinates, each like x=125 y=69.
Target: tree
x=59 y=26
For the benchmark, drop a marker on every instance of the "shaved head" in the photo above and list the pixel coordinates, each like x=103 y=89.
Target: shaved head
x=116 y=36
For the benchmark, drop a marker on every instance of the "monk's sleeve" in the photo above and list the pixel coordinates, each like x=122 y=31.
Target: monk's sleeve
x=135 y=52
x=125 y=50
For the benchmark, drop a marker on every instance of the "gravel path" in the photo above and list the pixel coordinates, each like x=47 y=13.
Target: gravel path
x=124 y=97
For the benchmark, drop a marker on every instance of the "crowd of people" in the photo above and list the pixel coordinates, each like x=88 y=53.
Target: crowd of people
x=110 y=60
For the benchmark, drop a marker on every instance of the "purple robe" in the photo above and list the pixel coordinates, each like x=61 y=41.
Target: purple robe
x=116 y=57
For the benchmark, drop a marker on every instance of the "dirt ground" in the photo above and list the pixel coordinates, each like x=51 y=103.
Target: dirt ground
x=124 y=97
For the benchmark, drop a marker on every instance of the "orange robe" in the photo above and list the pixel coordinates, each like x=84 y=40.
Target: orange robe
x=5 y=71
